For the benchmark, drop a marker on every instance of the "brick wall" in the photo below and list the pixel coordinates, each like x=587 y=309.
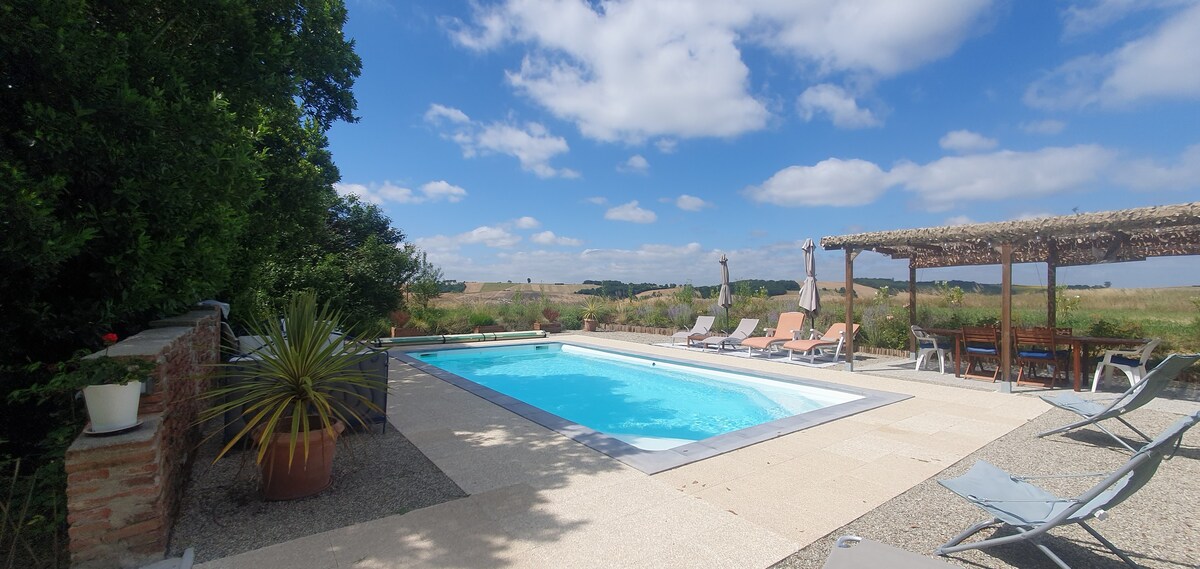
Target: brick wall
x=123 y=490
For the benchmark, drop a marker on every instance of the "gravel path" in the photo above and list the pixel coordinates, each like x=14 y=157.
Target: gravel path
x=375 y=475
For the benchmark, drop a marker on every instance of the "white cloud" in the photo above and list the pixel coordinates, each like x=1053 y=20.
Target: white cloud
x=531 y=144
x=1048 y=126
x=1159 y=65
x=437 y=113
x=443 y=190
x=881 y=37
x=832 y=182
x=527 y=223
x=958 y=220
x=965 y=141
x=636 y=163
x=666 y=145
x=630 y=212
x=1148 y=175
x=489 y=236
x=690 y=203
x=835 y=102
x=597 y=200
x=1003 y=175
x=638 y=69
x=943 y=183
x=549 y=238
x=1085 y=18
x=439 y=190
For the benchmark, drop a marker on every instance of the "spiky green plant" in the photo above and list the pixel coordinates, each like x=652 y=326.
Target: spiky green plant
x=301 y=375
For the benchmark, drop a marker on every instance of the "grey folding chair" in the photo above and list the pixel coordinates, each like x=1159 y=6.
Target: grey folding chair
x=702 y=327
x=1137 y=395
x=866 y=553
x=1032 y=511
x=744 y=329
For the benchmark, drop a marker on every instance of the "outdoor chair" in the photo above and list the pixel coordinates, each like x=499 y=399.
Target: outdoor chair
x=789 y=327
x=1035 y=347
x=927 y=345
x=1141 y=393
x=867 y=553
x=1032 y=511
x=744 y=329
x=979 y=343
x=1132 y=362
x=699 y=331
x=834 y=337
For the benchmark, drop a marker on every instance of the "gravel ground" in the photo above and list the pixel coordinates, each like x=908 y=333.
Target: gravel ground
x=1157 y=526
x=375 y=475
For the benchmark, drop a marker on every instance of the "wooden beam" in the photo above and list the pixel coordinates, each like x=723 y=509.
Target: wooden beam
x=1006 y=250
x=848 y=348
x=1051 y=284
x=912 y=305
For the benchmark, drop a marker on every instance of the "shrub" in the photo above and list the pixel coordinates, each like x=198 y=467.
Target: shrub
x=884 y=328
x=480 y=319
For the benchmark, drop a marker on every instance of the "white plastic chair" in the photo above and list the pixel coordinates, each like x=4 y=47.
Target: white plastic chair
x=1132 y=362
x=928 y=344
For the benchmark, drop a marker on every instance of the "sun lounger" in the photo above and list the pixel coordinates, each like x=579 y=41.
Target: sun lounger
x=699 y=331
x=1032 y=511
x=1139 y=394
x=834 y=338
x=790 y=326
x=866 y=553
x=743 y=331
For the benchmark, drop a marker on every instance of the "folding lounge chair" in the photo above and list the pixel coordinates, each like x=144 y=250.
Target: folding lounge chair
x=790 y=326
x=834 y=338
x=1032 y=511
x=867 y=553
x=743 y=331
x=1132 y=362
x=1140 y=394
x=702 y=328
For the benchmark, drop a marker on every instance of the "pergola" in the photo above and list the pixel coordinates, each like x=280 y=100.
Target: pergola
x=1064 y=241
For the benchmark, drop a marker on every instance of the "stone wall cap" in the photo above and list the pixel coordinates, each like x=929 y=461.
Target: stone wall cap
x=147 y=343
x=143 y=434
x=189 y=319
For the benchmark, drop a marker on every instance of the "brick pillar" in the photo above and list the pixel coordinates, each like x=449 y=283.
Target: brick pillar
x=123 y=490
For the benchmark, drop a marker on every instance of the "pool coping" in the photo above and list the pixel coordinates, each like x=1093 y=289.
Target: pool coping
x=656 y=461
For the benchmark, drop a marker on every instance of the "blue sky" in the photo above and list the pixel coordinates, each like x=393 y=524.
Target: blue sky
x=563 y=140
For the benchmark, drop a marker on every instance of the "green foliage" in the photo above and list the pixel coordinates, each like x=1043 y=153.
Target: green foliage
x=479 y=319
x=951 y=296
x=752 y=287
x=79 y=372
x=885 y=327
x=1064 y=303
x=299 y=381
x=594 y=309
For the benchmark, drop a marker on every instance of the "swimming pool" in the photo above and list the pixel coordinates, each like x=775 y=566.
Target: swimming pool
x=650 y=411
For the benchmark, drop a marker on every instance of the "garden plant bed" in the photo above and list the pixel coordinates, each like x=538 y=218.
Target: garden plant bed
x=374 y=476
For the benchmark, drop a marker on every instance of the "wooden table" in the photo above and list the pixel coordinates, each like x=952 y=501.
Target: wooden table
x=1078 y=345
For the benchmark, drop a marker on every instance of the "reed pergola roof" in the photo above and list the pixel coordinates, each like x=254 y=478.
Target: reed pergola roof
x=1064 y=241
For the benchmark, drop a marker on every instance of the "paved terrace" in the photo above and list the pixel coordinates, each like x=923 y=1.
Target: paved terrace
x=539 y=499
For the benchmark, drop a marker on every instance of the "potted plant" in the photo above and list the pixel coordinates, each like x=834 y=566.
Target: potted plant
x=551 y=324
x=111 y=387
x=592 y=311
x=294 y=401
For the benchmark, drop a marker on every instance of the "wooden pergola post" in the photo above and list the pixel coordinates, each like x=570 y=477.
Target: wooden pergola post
x=912 y=304
x=1051 y=284
x=1006 y=250
x=849 y=344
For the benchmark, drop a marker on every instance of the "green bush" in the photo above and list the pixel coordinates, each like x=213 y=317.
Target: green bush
x=480 y=319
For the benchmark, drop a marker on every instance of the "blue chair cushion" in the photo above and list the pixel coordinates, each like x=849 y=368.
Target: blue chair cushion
x=1035 y=354
x=975 y=350
x=1121 y=360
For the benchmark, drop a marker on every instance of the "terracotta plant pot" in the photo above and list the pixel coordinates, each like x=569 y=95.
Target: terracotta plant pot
x=304 y=478
x=589 y=325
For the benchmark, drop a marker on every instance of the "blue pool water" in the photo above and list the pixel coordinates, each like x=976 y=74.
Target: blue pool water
x=650 y=404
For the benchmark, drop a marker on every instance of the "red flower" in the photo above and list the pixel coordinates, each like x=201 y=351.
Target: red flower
x=109 y=339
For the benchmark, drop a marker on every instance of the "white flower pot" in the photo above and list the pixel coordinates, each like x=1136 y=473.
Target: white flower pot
x=112 y=407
